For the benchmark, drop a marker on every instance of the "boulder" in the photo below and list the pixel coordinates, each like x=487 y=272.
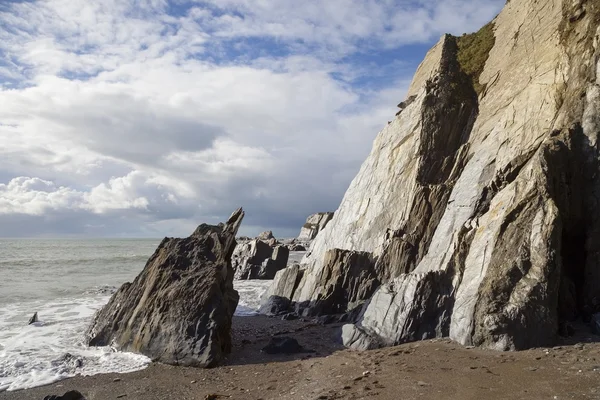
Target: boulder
x=70 y=395
x=271 y=266
x=248 y=258
x=277 y=298
x=314 y=224
x=284 y=345
x=178 y=310
x=266 y=235
x=479 y=202
x=258 y=260
x=33 y=319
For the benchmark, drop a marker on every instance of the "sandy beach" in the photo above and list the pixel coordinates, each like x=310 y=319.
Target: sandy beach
x=422 y=370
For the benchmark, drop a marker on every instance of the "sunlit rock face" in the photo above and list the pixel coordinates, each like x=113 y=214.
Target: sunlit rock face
x=478 y=202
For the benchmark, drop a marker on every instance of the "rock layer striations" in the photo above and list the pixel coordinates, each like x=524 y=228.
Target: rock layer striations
x=179 y=309
x=476 y=213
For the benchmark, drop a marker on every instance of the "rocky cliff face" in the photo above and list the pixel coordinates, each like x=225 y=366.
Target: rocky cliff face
x=179 y=309
x=478 y=205
x=314 y=224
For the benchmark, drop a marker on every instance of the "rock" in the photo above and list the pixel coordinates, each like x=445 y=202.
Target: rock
x=277 y=262
x=267 y=235
x=179 y=309
x=595 y=322
x=258 y=260
x=283 y=345
x=247 y=258
x=33 y=319
x=70 y=395
x=289 y=317
x=477 y=206
x=347 y=279
x=314 y=224
x=296 y=247
x=285 y=283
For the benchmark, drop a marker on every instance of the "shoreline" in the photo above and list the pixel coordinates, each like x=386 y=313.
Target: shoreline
x=437 y=368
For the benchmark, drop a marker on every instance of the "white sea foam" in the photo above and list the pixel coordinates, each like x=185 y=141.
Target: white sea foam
x=250 y=293
x=54 y=348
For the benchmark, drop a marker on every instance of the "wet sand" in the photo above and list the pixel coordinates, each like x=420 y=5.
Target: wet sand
x=431 y=369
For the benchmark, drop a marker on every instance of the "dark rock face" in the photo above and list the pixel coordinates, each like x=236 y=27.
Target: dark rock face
x=258 y=259
x=178 y=310
x=33 y=319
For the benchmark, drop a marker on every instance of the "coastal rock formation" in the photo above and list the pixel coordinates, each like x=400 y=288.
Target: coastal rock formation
x=259 y=259
x=178 y=310
x=314 y=224
x=478 y=203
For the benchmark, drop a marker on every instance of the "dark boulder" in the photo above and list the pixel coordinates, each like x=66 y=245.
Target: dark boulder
x=33 y=319
x=284 y=345
x=258 y=260
x=70 y=395
x=179 y=309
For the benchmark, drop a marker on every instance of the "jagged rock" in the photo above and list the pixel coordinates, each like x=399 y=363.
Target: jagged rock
x=179 y=309
x=70 y=395
x=267 y=235
x=271 y=266
x=258 y=260
x=478 y=202
x=33 y=319
x=314 y=224
x=248 y=257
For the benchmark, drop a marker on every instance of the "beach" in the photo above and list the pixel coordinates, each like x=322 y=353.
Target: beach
x=429 y=369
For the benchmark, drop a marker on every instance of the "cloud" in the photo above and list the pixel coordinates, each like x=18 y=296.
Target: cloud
x=146 y=118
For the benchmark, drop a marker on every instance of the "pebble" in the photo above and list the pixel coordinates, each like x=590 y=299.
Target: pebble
x=117 y=380
x=421 y=383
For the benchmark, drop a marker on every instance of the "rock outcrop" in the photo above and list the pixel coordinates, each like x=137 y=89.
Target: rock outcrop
x=314 y=224
x=478 y=204
x=178 y=310
x=259 y=259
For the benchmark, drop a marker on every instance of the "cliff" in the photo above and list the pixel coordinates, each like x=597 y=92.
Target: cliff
x=475 y=215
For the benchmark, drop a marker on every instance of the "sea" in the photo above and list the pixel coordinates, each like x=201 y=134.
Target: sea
x=66 y=282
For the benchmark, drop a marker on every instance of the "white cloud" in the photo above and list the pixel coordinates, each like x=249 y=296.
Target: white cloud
x=159 y=115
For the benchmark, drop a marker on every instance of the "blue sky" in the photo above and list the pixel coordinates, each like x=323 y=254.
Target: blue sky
x=145 y=118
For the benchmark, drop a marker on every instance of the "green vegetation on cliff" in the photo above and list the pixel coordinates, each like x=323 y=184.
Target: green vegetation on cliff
x=473 y=52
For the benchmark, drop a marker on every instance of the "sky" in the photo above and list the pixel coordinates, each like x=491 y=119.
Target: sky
x=145 y=118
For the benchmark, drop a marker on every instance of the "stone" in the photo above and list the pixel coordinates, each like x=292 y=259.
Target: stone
x=276 y=299
x=33 y=319
x=70 y=395
x=315 y=223
x=477 y=206
x=296 y=247
x=258 y=260
x=283 y=345
x=277 y=262
x=267 y=235
x=595 y=323
x=179 y=309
